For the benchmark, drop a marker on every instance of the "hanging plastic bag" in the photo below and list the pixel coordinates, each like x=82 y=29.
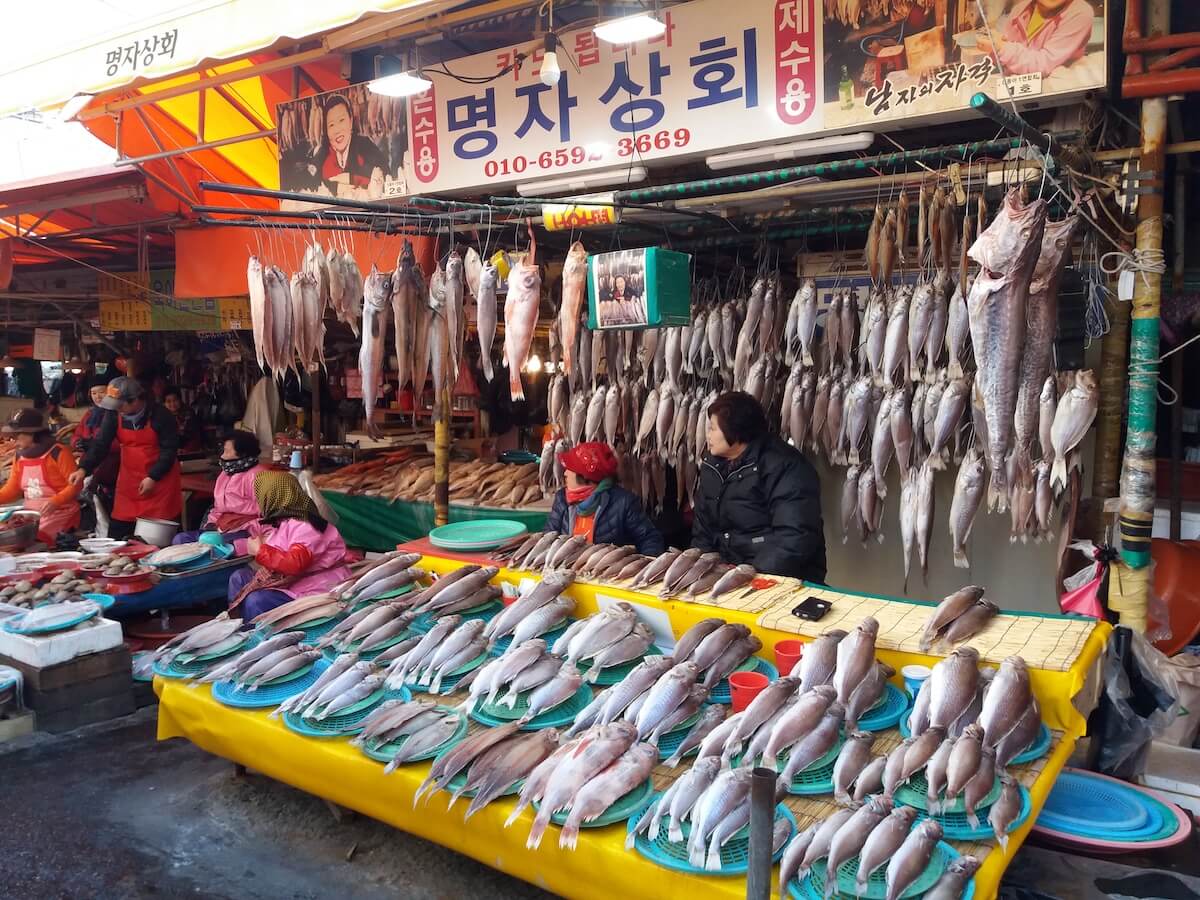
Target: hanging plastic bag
x=1138 y=703
x=1082 y=592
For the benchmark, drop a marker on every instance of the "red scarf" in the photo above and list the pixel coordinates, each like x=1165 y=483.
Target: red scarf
x=578 y=495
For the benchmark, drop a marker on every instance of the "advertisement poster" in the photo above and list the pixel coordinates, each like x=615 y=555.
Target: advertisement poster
x=726 y=76
x=346 y=143
x=619 y=289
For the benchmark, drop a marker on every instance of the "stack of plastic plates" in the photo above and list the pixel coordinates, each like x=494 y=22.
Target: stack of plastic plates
x=1108 y=816
x=480 y=534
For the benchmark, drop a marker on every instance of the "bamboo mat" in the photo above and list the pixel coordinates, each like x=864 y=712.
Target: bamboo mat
x=1050 y=643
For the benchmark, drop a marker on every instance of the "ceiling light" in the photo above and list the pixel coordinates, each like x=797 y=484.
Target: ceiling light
x=533 y=365
x=402 y=84
x=550 y=72
x=839 y=143
x=629 y=29
x=582 y=181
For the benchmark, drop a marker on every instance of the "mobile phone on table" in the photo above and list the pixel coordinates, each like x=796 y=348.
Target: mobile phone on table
x=812 y=609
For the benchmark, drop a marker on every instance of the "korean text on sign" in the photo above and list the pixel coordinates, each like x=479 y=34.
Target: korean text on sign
x=143 y=52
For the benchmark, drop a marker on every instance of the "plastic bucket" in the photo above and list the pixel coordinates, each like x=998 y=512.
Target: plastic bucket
x=914 y=676
x=744 y=687
x=787 y=654
x=159 y=532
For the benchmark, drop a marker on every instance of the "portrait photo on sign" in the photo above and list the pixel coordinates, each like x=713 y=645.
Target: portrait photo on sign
x=619 y=289
x=347 y=143
x=899 y=58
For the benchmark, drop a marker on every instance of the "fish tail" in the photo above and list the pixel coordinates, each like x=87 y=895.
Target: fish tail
x=674 y=830
x=768 y=762
x=516 y=813
x=568 y=837
x=960 y=559
x=422 y=787
x=998 y=491
x=436 y=687
x=972 y=819
x=712 y=861
x=514 y=383
x=1003 y=839
x=539 y=828
x=673 y=760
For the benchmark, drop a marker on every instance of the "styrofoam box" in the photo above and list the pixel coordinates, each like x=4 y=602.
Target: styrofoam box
x=1175 y=773
x=48 y=650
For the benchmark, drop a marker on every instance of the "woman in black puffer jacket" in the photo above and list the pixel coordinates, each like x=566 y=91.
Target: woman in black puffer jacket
x=758 y=500
x=594 y=506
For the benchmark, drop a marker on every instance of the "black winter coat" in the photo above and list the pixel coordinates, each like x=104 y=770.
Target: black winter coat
x=766 y=511
x=620 y=519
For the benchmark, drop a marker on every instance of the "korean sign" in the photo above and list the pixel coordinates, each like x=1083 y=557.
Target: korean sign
x=727 y=75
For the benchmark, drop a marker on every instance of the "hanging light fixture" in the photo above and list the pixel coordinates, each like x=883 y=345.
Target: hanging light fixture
x=392 y=80
x=551 y=71
x=631 y=29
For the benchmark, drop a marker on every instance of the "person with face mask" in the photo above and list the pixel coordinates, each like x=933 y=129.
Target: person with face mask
x=148 y=483
x=104 y=478
x=758 y=500
x=40 y=475
x=1041 y=36
x=234 y=507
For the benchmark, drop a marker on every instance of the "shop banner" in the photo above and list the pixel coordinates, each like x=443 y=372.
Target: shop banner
x=568 y=216
x=728 y=75
x=221 y=314
x=346 y=143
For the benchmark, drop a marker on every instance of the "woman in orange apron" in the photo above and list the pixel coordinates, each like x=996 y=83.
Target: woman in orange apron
x=148 y=484
x=41 y=475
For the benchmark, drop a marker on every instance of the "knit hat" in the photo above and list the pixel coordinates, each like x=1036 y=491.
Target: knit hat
x=25 y=421
x=593 y=460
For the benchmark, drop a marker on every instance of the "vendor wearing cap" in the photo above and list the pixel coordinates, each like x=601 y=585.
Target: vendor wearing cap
x=41 y=474
x=148 y=483
x=104 y=478
x=594 y=506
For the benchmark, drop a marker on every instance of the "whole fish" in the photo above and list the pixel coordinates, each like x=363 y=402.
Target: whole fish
x=848 y=330
x=597 y=795
x=612 y=413
x=855 y=657
x=895 y=345
x=819 y=660
x=455 y=312
x=921 y=751
x=594 y=421
x=971 y=622
x=295 y=660
x=377 y=294
x=882 y=843
x=408 y=292
x=429 y=738
x=833 y=329
x=933 y=401
x=964 y=760
x=893 y=769
x=920 y=316
x=924 y=518
x=852 y=836
x=505 y=765
x=882 y=447
x=806 y=319
x=887 y=247
x=954 y=880
x=968 y=495
x=485 y=313
x=1007 y=252
x=278 y=353
x=857 y=415
x=821 y=841
x=936 y=774
x=360 y=691
x=916 y=418
x=520 y=317
x=1006 y=701
x=1073 y=417
x=789 y=864
x=980 y=785
x=951 y=405
x=947 y=611
x=798 y=722
x=870 y=510
x=710 y=719
x=952 y=686
x=1005 y=810
x=902 y=227
x=260 y=309
x=868 y=693
x=908 y=521
x=948 y=230
x=851 y=760
x=574 y=291
x=907 y=864
x=922 y=222
x=648 y=423
x=901 y=426
x=1041 y=323
x=1047 y=407
x=834 y=421
x=439 y=332
x=456 y=760
x=875 y=334
x=939 y=321
x=735 y=578
x=728 y=792
x=870 y=779
x=1022 y=735
x=874 y=235
x=958 y=333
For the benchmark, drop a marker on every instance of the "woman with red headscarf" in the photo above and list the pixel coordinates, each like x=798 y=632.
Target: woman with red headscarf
x=593 y=505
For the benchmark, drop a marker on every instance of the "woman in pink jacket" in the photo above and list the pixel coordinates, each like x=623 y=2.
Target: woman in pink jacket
x=234 y=508
x=295 y=551
x=1042 y=35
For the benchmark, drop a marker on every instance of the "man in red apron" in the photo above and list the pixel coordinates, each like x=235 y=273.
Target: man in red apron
x=40 y=475
x=148 y=482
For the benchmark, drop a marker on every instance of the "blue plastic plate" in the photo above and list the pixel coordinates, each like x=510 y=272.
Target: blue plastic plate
x=887 y=712
x=104 y=601
x=479 y=534
x=228 y=692
x=184 y=560
x=1098 y=808
x=51 y=629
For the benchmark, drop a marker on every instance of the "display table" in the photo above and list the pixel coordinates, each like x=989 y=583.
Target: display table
x=374 y=523
x=600 y=867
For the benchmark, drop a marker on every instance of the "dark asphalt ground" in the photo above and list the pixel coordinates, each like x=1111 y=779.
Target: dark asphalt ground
x=110 y=812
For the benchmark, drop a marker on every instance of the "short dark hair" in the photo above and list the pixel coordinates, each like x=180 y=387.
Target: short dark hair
x=173 y=391
x=338 y=100
x=739 y=416
x=245 y=443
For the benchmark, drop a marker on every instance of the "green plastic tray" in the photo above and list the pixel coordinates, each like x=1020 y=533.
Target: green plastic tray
x=621 y=810
x=385 y=752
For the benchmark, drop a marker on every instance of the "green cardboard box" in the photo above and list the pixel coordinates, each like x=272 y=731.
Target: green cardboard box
x=647 y=287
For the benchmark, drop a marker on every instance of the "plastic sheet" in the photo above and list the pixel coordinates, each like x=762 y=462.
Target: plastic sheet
x=1139 y=701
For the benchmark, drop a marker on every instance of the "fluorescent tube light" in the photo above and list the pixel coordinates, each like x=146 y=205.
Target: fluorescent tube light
x=838 y=143
x=582 y=182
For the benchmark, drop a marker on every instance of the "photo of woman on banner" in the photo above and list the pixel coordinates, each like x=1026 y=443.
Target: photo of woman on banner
x=619 y=290
x=352 y=165
x=1040 y=36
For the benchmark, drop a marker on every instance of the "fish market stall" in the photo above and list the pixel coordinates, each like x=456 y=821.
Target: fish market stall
x=307 y=743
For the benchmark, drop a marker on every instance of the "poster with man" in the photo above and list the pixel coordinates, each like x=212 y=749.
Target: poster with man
x=891 y=59
x=348 y=143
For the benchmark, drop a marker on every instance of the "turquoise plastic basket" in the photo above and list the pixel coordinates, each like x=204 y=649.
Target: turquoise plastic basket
x=227 y=693
x=1102 y=809
x=877 y=883
x=956 y=827
x=449 y=681
x=886 y=712
x=385 y=752
x=494 y=715
x=349 y=721
x=735 y=855
x=817 y=777
x=912 y=794
x=720 y=693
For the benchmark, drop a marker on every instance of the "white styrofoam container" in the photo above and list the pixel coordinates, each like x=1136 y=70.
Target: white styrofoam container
x=41 y=651
x=1175 y=773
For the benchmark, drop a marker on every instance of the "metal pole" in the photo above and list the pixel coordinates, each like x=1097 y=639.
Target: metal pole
x=207 y=145
x=1007 y=118
x=762 y=827
x=1182 y=170
x=1138 y=468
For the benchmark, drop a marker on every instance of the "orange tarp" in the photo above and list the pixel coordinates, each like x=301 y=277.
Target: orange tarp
x=210 y=261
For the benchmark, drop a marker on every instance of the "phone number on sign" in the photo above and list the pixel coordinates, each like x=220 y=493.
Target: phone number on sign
x=574 y=156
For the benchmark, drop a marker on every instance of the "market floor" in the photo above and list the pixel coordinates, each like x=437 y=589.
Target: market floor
x=110 y=812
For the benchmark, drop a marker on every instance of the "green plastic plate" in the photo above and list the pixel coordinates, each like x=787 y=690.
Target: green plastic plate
x=385 y=752
x=480 y=534
x=622 y=809
x=912 y=793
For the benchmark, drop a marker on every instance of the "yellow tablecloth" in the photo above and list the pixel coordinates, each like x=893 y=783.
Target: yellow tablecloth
x=600 y=867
